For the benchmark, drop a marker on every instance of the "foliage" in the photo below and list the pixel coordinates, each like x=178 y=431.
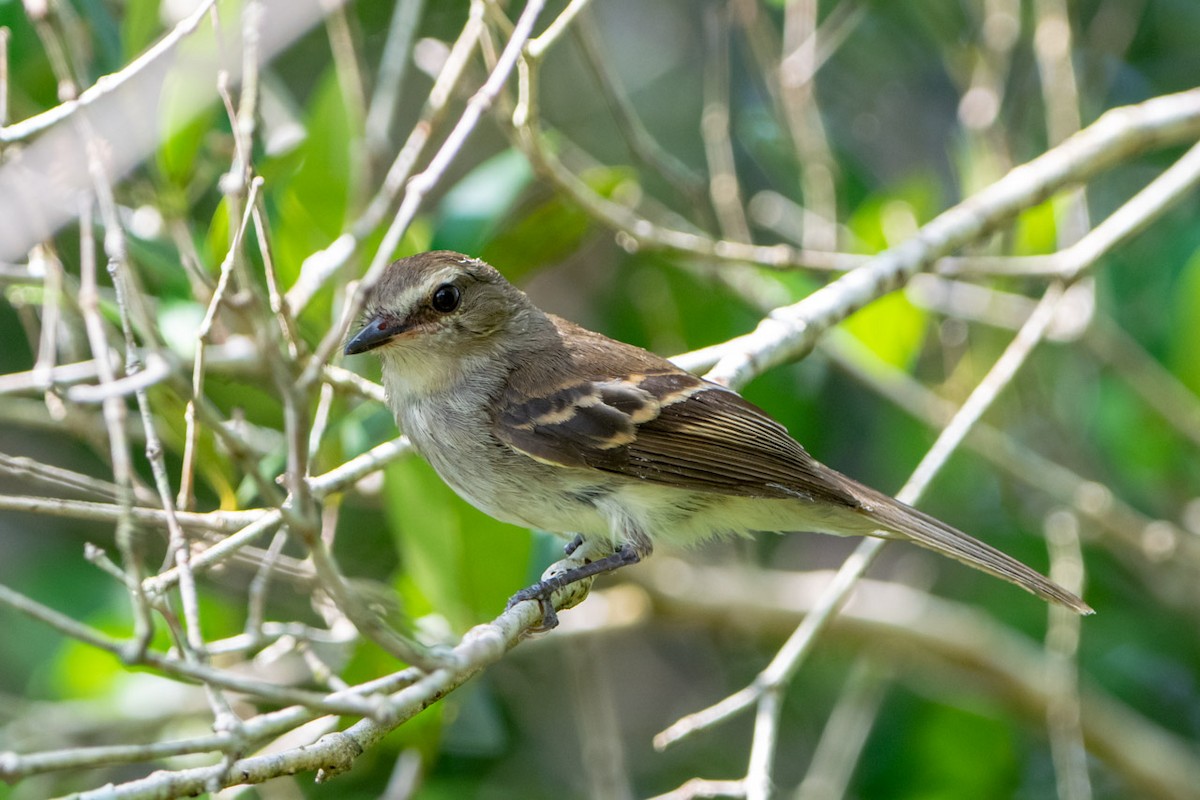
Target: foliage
x=912 y=108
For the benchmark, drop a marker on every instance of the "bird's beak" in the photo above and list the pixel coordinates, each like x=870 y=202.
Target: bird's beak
x=378 y=331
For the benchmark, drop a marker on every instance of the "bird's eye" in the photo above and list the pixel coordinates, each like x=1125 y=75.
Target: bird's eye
x=446 y=298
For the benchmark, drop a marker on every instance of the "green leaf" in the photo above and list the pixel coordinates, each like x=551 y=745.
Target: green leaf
x=140 y=24
x=886 y=219
x=219 y=237
x=1184 y=342
x=184 y=123
x=214 y=470
x=81 y=670
x=463 y=563
x=891 y=327
x=178 y=321
x=962 y=754
x=184 y=131
x=311 y=204
x=549 y=231
x=1036 y=231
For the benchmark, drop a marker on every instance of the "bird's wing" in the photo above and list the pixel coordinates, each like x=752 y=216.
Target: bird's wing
x=668 y=427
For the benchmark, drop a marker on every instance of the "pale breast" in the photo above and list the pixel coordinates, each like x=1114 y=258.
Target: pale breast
x=492 y=477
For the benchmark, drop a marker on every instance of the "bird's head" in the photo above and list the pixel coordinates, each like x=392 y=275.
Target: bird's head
x=433 y=313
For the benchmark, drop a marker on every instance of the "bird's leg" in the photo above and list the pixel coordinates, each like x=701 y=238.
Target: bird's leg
x=543 y=590
x=570 y=547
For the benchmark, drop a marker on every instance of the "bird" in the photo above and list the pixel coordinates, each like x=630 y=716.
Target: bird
x=543 y=423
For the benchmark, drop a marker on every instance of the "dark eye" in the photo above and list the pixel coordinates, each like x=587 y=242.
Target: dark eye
x=445 y=298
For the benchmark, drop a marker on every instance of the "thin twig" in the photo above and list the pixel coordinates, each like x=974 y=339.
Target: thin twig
x=1063 y=635
x=321 y=266
x=724 y=190
x=389 y=80
x=28 y=127
x=221 y=521
x=5 y=35
x=797 y=73
x=420 y=185
x=334 y=753
x=114 y=412
x=792 y=654
x=845 y=735
x=1153 y=382
x=27 y=469
x=267 y=691
x=790 y=332
x=644 y=147
x=915 y=627
x=1131 y=534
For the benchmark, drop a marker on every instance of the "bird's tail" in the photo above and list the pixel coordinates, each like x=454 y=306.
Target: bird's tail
x=926 y=531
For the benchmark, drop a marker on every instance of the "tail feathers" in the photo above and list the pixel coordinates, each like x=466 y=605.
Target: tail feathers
x=926 y=531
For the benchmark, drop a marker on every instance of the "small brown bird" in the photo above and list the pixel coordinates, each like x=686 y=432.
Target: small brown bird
x=539 y=422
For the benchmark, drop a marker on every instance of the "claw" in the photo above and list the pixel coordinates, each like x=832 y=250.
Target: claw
x=543 y=591
x=542 y=594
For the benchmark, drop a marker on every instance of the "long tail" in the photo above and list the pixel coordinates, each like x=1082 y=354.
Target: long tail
x=926 y=531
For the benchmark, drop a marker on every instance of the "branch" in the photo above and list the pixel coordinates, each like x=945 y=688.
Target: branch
x=920 y=628
x=423 y=183
x=335 y=753
x=109 y=83
x=790 y=332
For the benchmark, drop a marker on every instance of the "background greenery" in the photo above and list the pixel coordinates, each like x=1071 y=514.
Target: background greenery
x=891 y=101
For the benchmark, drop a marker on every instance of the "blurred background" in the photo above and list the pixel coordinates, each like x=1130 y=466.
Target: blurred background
x=730 y=119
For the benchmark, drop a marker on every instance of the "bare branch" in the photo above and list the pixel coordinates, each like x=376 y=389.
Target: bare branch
x=919 y=628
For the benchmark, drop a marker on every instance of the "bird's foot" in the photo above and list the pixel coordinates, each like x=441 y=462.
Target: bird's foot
x=570 y=547
x=577 y=578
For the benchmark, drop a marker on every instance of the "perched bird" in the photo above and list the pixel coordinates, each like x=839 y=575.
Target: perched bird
x=539 y=422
